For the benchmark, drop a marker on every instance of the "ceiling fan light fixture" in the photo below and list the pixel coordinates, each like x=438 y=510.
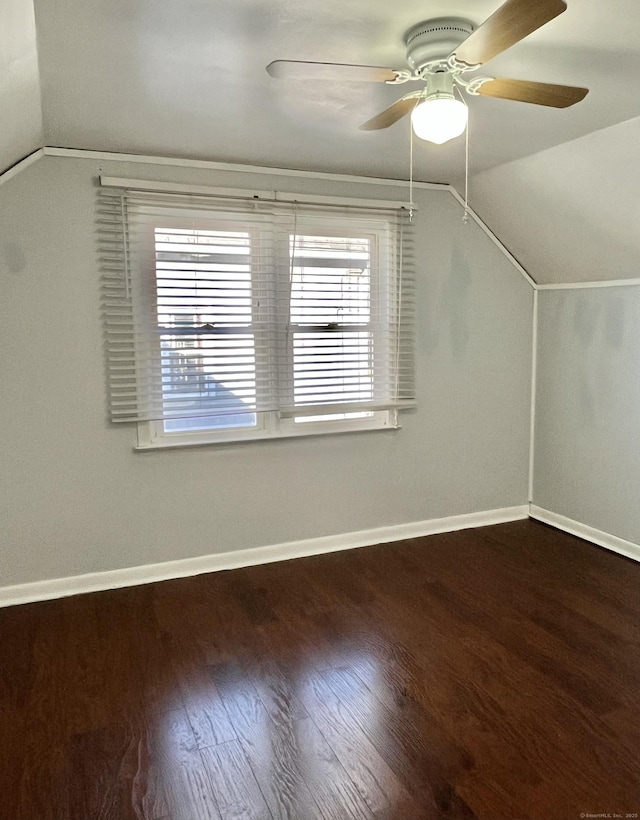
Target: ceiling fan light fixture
x=440 y=117
x=439 y=51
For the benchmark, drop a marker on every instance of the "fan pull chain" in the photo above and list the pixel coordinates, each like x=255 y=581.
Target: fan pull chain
x=411 y=208
x=465 y=215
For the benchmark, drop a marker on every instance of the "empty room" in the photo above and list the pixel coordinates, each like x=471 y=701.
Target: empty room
x=320 y=410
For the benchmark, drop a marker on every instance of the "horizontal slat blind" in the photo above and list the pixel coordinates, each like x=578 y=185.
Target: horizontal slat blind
x=220 y=307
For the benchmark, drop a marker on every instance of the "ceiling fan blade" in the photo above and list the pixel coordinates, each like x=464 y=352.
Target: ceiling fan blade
x=390 y=115
x=556 y=96
x=513 y=21
x=337 y=72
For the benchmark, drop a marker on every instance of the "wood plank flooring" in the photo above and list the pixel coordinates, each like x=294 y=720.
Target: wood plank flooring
x=491 y=674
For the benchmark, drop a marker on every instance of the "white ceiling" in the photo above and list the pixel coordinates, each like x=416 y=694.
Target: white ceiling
x=188 y=79
x=571 y=213
x=20 y=112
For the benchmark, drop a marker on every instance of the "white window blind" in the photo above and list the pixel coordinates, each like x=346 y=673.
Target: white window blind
x=218 y=309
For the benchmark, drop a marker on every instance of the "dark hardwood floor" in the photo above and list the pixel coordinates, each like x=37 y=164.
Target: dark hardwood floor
x=491 y=673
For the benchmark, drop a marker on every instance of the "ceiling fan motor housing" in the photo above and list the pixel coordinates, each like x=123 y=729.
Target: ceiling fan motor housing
x=433 y=40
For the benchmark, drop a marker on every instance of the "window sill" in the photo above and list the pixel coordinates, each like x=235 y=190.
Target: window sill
x=168 y=444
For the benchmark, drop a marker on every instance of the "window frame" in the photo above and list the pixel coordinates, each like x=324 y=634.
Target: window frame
x=269 y=427
x=270 y=424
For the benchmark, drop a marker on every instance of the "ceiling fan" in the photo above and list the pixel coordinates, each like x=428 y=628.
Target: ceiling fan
x=440 y=52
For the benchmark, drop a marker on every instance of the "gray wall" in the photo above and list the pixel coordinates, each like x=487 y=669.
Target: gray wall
x=587 y=441
x=75 y=497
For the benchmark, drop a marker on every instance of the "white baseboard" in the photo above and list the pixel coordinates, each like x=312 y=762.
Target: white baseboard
x=602 y=539
x=132 y=576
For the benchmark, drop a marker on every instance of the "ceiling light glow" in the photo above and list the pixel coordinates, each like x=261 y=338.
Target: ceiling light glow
x=439 y=118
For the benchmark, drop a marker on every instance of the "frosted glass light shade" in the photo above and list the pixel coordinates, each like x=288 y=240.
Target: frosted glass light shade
x=439 y=119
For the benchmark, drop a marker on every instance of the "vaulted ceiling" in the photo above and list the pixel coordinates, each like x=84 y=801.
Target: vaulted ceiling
x=20 y=111
x=570 y=213
x=188 y=80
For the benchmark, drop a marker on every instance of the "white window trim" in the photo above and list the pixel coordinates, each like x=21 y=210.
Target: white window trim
x=152 y=435
x=269 y=427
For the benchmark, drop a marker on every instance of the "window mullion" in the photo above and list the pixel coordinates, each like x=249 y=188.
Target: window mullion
x=284 y=329
x=263 y=316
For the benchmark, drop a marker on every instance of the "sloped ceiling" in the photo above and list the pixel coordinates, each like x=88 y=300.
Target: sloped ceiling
x=20 y=110
x=570 y=213
x=188 y=80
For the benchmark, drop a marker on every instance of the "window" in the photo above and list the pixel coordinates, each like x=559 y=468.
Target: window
x=231 y=319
